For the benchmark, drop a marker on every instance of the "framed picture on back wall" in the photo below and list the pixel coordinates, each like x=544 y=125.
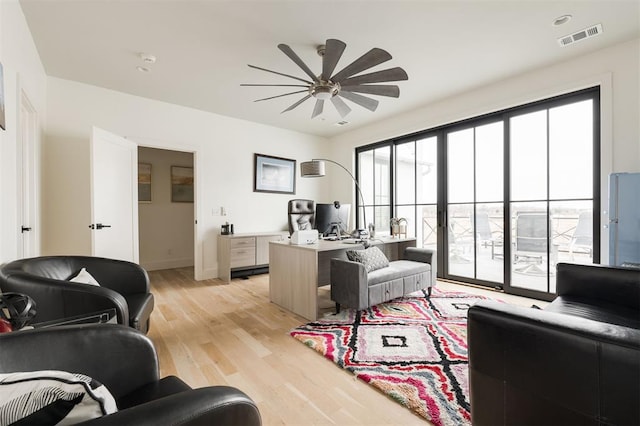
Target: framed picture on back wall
x=181 y=184
x=274 y=174
x=144 y=182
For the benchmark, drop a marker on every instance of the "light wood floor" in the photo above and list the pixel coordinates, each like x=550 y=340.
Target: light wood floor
x=210 y=333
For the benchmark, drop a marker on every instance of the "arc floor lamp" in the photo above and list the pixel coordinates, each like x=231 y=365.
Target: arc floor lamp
x=315 y=168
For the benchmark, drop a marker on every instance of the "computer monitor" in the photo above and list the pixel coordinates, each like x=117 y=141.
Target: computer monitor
x=333 y=219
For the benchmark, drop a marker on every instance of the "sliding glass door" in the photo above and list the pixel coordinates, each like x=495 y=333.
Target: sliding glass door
x=374 y=175
x=473 y=234
x=416 y=188
x=503 y=197
x=552 y=192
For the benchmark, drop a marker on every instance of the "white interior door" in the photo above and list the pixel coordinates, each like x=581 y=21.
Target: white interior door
x=114 y=196
x=27 y=177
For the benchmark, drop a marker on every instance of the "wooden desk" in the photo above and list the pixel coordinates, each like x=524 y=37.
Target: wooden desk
x=296 y=271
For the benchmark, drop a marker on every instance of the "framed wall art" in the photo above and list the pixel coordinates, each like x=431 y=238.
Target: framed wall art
x=181 y=184
x=274 y=174
x=144 y=182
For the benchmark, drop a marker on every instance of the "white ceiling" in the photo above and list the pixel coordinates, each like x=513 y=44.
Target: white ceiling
x=203 y=47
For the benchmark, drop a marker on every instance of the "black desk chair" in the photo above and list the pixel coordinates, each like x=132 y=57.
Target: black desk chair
x=302 y=215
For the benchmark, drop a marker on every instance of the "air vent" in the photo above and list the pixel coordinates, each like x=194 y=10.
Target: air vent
x=580 y=35
x=341 y=123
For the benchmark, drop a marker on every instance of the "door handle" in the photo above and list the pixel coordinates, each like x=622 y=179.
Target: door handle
x=99 y=226
x=25 y=229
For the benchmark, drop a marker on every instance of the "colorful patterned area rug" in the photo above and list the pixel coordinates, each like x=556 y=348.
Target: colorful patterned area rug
x=414 y=349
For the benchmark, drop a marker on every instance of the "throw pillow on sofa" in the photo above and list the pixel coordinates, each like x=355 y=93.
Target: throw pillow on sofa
x=372 y=258
x=51 y=397
x=85 y=277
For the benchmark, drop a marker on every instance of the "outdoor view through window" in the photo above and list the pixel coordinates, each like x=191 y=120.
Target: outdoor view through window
x=549 y=173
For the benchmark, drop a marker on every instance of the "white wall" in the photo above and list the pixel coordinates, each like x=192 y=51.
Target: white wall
x=166 y=228
x=23 y=71
x=616 y=69
x=223 y=164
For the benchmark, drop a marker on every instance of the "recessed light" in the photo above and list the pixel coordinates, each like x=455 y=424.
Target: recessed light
x=143 y=69
x=560 y=20
x=148 y=58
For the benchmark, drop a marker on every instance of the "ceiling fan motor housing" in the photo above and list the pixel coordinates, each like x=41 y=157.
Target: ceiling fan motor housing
x=324 y=90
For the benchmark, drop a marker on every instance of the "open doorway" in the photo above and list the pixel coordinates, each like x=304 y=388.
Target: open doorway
x=165 y=208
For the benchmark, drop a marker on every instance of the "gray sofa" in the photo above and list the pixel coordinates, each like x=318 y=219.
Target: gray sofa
x=354 y=287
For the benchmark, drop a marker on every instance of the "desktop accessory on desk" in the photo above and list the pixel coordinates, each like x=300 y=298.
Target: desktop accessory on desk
x=226 y=229
x=304 y=237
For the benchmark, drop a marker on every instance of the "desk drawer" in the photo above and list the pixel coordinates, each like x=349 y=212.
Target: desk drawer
x=243 y=256
x=243 y=242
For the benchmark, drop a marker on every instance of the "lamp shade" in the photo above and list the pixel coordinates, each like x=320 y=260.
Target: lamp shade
x=314 y=168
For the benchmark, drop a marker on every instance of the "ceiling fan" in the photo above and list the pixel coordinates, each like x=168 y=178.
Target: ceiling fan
x=343 y=84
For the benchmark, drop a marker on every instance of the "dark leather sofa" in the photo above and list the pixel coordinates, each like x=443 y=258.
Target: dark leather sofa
x=124 y=286
x=125 y=361
x=576 y=362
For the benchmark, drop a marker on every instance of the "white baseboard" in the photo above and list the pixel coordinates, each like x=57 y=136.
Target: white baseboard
x=209 y=273
x=156 y=265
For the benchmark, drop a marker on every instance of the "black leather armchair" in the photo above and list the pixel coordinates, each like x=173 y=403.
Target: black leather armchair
x=125 y=361
x=123 y=286
x=577 y=362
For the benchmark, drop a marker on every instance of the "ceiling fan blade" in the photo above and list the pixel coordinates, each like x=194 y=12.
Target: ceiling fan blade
x=273 y=85
x=332 y=54
x=295 y=58
x=392 y=74
x=279 y=96
x=379 y=89
x=279 y=73
x=343 y=109
x=297 y=103
x=363 y=101
x=370 y=59
x=317 y=110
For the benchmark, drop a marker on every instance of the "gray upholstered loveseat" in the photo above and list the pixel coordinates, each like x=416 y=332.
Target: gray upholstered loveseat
x=354 y=287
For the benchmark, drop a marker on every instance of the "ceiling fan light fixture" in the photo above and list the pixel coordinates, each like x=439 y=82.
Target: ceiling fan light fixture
x=324 y=91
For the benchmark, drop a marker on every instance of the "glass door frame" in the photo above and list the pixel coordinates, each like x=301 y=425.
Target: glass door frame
x=443 y=203
x=546 y=104
x=592 y=93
